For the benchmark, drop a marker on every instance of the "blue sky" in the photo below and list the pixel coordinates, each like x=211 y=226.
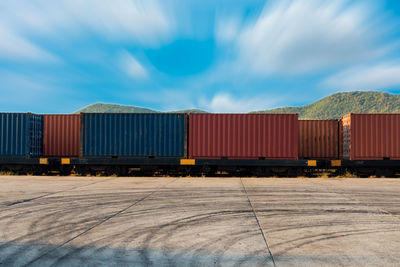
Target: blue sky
x=221 y=56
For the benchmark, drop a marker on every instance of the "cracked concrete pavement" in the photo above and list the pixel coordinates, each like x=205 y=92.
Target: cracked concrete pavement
x=146 y=221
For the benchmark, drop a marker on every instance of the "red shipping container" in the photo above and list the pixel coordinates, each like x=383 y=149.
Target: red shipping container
x=319 y=139
x=61 y=135
x=371 y=136
x=243 y=136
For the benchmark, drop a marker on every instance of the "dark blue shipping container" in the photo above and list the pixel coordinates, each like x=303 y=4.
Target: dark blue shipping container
x=133 y=135
x=21 y=135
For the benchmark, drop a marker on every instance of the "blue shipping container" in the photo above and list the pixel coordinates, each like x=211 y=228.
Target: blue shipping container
x=133 y=135
x=21 y=135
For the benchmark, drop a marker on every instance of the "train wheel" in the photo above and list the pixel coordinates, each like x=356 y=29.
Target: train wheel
x=37 y=170
x=66 y=171
x=82 y=171
x=295 y=172
x=121 y=171
x=280 y=171
x=110 y=171
x=384 y=172
x=207 y=171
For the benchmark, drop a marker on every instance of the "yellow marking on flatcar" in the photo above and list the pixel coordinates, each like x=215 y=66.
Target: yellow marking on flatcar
x=312 y=163
x=44 y=161
x=336 y=163
x=188 y=162
x=65 y=161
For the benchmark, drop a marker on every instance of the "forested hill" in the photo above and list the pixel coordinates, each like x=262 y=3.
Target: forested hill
x=331 y=107
x=334 y=106
x=113 y=108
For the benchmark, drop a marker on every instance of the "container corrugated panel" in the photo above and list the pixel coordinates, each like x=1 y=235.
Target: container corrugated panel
x=61 y=135
x=243 y=136
x=371 y=136
x=21 y=135
x=319 y=139
x=133 y=135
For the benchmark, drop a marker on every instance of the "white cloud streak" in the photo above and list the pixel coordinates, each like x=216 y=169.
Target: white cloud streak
x=13 y=46
x=296 y=37
x=118 y=19
x=227 y=29
x=381 y=76
x=131 y=66
x=21 y=22
x=224 y=102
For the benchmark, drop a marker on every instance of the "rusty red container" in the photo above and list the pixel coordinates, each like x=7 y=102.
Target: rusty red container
x=243 y=136
x=319 y=139
x=371 y=136
x=61 y=135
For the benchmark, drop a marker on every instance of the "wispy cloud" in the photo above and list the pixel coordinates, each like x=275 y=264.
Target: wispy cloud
x=132 y=67
x=232 y=57
x=224 y=102
x=23 y=22
x=227 y=29
x=296 y=37
x=13 y=46
x=119 y=19
x=21 y=88
x=375 y=77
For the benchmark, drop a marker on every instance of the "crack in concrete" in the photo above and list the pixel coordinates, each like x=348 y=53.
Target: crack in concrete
x=258 y=222
x=99 y=223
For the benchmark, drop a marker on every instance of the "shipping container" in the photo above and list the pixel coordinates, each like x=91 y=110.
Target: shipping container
x=319 y=139
x=371 y=136
x=61 y=135
x=21 y=135
x=243 y=136
x=133 y=135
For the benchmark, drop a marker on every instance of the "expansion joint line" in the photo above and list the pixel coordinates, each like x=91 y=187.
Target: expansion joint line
x=258 y=222
x=101 y=222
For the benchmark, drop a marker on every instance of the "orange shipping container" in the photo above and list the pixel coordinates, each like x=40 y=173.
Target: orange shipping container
x=319 y=139
x=371 y=136
x=243 y=136
x=61 y=135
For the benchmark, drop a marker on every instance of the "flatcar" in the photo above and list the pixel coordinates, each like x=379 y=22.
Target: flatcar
x=199 y=144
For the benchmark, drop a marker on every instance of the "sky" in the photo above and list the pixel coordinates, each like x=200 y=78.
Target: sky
x=216 y=55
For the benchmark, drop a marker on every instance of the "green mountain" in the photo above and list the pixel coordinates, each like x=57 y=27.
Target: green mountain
x=334 y=106
x=113 y=108
x=331 y=107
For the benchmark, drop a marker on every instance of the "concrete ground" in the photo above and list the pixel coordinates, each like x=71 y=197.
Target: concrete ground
x=93 y=221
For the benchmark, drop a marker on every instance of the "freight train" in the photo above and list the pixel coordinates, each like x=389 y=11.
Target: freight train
x=199 y=144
